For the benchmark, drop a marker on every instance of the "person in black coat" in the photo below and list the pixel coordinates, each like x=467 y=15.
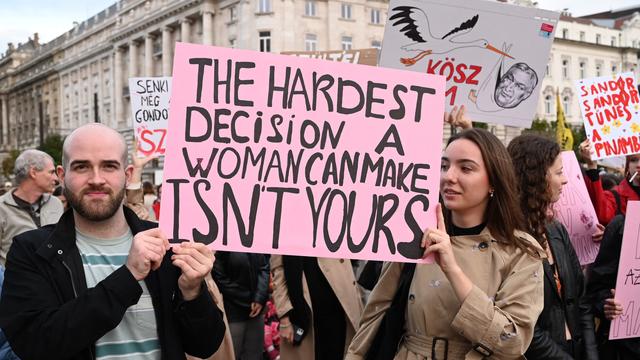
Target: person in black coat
x=565 y=328
x=602 y=281
x=243 y=280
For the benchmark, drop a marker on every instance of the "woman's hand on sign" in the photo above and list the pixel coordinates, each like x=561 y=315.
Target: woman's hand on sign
x=458 y=118
x=612 y=308
x=286 y=329
x=585 y=154
x=138 y=163
x=598 y=234
x=437 y=241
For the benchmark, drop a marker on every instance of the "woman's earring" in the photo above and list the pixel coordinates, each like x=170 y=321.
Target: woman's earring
x=491 y=193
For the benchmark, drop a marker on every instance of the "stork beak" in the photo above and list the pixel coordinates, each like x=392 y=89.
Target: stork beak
x=489 y=47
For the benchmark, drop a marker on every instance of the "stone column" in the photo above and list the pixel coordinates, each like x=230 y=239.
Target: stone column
x=148 y=55
x=207 y=27
x=133 y=59
x=117 y=84
x=185 y=30
x=166 y=51
x=4 y=122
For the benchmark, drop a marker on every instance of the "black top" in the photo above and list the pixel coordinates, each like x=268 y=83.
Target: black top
x=475 y=230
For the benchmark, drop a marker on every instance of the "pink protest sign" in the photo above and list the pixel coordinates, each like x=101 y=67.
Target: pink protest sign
x=628 y=279
x=575 y=211
x=611 y=113
x=284 y=155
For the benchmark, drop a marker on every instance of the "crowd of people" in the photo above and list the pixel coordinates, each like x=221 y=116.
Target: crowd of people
x=89 y=275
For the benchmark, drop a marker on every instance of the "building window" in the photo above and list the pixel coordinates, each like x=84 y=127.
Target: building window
x=583 y=70
x=233 y=14
x=598 y=70
x=613 y=41
x=582 y=36
x=265 y=41
x=346 y=43
x=565 y=69
x=376 y=44
x=232 y=43
x=548 y=104
x=375 y=16
x=311 y=42
x=598 y=38
x=614 y=69
x=565 y=33
x=264 y=6
x=566 y=105
x=346 y=11
x=310 y=8
x=634 y=43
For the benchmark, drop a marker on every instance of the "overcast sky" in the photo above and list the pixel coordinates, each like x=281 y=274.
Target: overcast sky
x=51 y=18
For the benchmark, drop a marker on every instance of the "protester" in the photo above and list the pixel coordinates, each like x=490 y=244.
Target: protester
x=243 y=280
x=600 y=288
x=564 y=329
x=102 y=282
x=483 y=294
x=318 y=304
x=156 y=203
x=5 y=350
x=30 y=205
x=609 y=203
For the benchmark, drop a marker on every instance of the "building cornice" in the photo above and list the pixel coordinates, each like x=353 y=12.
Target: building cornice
x=85 y=55
x=157 y=17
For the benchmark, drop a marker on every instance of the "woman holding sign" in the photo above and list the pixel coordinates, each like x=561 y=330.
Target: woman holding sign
x=565 y=328
x=482 y=295
x=609 y=203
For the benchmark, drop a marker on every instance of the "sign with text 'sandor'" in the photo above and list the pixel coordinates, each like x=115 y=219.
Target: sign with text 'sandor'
x=627 y=325
x=611 y=113
x=575 y=211
x=150 y=113
x=283 y=155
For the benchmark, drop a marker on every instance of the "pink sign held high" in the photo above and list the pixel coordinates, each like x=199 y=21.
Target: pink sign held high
x=283 y=155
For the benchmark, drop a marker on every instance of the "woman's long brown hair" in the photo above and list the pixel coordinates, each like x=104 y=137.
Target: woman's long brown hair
x=503 y=215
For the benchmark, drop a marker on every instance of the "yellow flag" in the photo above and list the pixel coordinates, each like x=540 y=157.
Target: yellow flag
x=564 y=137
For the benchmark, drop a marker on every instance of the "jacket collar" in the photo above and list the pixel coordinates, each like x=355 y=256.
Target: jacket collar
x=8 y=199
x=625 y=189
x=63 y=237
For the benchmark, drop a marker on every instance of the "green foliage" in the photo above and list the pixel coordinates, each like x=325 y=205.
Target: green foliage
x=9 y=162
x=547 y=129
x=53 y=146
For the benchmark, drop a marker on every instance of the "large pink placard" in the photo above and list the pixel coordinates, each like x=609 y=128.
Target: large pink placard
x=284 y=155
x=575 y=211
x=627 y=325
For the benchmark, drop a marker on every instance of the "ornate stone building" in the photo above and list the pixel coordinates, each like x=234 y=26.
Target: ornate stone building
x=81 y=76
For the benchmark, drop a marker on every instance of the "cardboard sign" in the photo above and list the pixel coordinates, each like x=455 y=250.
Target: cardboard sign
x=610 y=107
x=362 y=56
x=575 y=211
x=284 y=155
x=150 y=112
x=627 y=325
x=493 y=55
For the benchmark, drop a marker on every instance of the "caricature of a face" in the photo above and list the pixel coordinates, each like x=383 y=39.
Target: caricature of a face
x=515 y=86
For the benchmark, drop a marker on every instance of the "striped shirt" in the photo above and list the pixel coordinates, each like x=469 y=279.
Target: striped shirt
x=136 y=337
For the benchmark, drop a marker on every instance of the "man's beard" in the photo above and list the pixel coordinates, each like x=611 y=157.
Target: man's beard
x=95 y=211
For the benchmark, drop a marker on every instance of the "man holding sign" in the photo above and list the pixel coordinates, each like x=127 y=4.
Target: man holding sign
x=102 y=282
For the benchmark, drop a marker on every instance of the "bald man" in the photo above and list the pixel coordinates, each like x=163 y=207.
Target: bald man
x=101 y=283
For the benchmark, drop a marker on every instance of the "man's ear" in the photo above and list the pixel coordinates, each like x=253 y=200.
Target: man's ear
x=60 y=172
x=128 y=172
x=32 y=172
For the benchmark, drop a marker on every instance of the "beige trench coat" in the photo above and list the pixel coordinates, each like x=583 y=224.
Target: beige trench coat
x=499 y=314
x=339 y=274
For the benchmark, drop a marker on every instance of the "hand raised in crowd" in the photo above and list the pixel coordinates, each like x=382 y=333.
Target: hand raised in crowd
x=458 y=118
x=585 y=154
x=138 y=162
x=256 y=309
x=597 y=236
x=286 y=329
x=146 y=253
x=612 y=308
x=195 y=260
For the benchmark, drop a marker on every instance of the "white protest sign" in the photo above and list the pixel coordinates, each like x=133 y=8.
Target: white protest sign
x=150 y=112
x=493 y=55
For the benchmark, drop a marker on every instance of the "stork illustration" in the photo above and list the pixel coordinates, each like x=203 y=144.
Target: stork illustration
x=417 y=29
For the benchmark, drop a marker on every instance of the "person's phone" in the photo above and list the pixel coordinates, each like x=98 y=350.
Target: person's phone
x=298 y=334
